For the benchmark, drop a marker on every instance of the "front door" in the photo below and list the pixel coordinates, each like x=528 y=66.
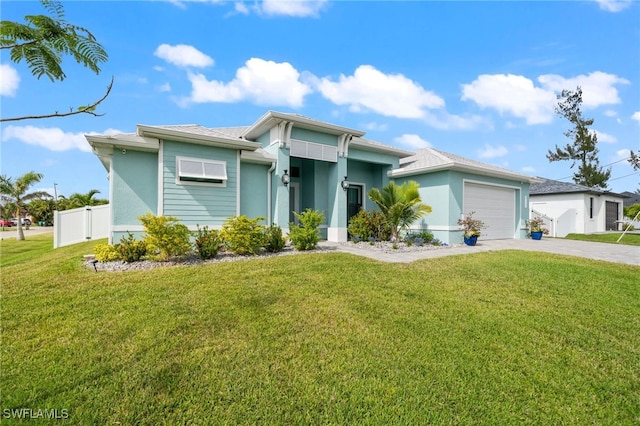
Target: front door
x=354 y=201
x=612 y=216
x=294 y=202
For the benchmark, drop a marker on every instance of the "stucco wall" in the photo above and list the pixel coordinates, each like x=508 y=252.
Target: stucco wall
x=134 y=183
x=444 y=192
x=253 y=190
x=572 y=212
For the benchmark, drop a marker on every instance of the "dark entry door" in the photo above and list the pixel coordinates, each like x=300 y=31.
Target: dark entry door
x=354 y=201
x=612 y=216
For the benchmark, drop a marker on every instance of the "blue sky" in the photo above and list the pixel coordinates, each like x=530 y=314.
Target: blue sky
x=477 y=79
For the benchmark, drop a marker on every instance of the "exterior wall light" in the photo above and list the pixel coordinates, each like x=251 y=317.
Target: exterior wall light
x=285 y=178
x=345 y=184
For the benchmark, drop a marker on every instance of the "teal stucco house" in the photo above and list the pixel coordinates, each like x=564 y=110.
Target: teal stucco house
x=285 y=163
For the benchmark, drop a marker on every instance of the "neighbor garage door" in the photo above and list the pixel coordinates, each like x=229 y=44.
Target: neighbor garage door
x=495 y=206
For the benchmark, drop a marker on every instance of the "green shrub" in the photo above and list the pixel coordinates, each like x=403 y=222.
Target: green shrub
x=419 y=238
x=165 y=236
x=131 y=250
x=275 y=239
x=207 y=243
x=306 y=235
x=106 y=252
x=242 y=235
x=369 y=225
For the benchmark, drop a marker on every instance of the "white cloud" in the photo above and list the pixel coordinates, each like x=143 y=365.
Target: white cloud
x=372 y=125
x=445 y=121
x=623 y=154
x=9 y=80
x=51 y=138
x=387 y=94
x=610 y=113
x=492 y=151
x=613 y=5
x=513 y=94
x=295 y=8
x=166 y=87
x=636 y=116
x=183 y=55
x=598 y=88
x=241 y=8
x=529 y=169
x=519 y=96
x=605 y=137
x=413 y=141
x=260 y=81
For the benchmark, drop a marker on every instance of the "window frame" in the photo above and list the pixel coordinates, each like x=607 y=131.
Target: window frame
x=205 y=181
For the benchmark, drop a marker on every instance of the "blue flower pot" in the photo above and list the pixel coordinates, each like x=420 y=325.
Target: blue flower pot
x=471 y=241
x=536 y=235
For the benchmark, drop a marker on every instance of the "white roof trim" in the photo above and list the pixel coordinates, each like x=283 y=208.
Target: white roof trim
x=271 y=118
x=186 y=136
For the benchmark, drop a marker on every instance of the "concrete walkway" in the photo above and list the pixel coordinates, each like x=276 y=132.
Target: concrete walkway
x=617 y=253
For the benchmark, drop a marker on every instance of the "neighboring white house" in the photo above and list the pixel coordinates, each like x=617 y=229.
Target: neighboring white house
x=570 y=208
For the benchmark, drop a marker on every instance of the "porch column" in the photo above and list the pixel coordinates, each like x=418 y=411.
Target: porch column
x=280 y=192
x=337 y=214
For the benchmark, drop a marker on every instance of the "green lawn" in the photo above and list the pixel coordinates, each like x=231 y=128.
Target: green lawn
x=501 y=338
x=628 y=239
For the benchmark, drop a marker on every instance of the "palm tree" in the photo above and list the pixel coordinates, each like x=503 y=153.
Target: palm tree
x=400 y=205
x=81 y=200
x=15 y=191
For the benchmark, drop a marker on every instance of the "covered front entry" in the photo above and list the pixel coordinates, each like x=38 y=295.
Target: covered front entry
x=495 y=206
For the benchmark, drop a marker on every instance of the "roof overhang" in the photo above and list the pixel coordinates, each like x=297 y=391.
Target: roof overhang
x=258 y=156
x=272 y=118
x=375 y=147
x=182 y=136
x=503 y=174
x=103 y=145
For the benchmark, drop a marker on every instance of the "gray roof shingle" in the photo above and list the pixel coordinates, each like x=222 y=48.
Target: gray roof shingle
x=550 y=186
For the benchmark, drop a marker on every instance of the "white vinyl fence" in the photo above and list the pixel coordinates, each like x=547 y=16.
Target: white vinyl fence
x=80 y=225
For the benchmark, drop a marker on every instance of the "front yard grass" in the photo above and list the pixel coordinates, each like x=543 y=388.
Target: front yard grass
x=609 y=237
x=505 y=337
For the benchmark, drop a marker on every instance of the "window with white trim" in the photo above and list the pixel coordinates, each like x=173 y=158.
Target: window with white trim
x=198 y=171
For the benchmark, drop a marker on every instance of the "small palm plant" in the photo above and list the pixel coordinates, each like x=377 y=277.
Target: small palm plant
x=400 y=205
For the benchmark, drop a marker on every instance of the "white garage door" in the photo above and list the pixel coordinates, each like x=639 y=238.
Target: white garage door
x=495 y=206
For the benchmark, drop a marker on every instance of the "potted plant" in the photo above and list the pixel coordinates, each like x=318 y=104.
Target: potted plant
x=536 y=228
x=471 y=228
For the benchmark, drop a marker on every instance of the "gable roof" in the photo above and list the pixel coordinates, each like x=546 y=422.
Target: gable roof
x=429 y=160
x=271 y=118
x=550 y=186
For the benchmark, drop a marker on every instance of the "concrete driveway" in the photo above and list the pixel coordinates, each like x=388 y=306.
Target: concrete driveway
x=617 y=253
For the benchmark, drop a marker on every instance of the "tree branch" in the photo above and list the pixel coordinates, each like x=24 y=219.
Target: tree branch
x=28 y=43
x=89 y=109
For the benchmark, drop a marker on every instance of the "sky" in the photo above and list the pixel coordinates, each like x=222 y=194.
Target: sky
x=478 y=79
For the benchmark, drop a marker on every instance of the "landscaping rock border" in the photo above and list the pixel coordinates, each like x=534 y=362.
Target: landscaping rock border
x=145 y=265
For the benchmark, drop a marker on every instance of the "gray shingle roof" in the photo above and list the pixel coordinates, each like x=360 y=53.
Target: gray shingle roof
x=550 y=186
x=196 y=129
x=430 y=158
